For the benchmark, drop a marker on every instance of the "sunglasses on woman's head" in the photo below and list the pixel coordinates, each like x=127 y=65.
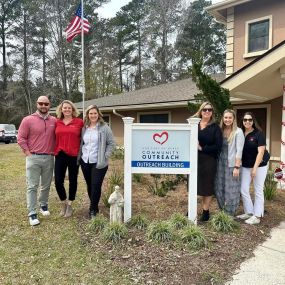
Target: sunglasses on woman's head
x=207 y=109
x=247 y=120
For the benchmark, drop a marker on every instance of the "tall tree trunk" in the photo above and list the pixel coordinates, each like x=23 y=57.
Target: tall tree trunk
x=26 y=67
x=87 y=69
x=3 y=37
x=164 y=57
x=44 y=61
x=139 y=75
x=103 y=91
x=120 y=68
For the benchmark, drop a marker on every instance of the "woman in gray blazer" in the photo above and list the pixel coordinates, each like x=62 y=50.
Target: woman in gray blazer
x=96 y=147
x=227 y=186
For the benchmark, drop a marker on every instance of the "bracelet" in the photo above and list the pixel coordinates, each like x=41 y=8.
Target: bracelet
x=237 y=167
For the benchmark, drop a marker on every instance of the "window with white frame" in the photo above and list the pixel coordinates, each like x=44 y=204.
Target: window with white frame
x=153 y=117
x=258 y=36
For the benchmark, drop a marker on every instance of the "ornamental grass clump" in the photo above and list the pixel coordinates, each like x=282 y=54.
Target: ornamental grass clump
x=139 y=222
x=222 y=222
x=270 y=186
x=160 y=231
x=193 y=237
x=98 y=224
x=115 y=232
x=137 y=177
x=179 y=221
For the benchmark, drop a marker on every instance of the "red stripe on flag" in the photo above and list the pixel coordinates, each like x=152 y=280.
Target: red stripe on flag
x=74 y=28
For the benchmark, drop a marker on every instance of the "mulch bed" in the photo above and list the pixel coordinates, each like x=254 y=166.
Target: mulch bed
x=167 y=263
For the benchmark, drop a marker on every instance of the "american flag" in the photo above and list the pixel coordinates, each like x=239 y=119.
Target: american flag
x=74 y=28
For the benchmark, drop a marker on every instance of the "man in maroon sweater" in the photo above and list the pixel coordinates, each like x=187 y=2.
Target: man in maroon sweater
x=36 y=137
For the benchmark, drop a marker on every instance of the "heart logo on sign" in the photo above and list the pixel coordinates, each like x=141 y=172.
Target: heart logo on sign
x=160 y=138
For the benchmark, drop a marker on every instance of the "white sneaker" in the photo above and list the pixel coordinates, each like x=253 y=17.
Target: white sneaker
x=253 y=220
x=44 y=210
x=33 y=219
x=244 y=216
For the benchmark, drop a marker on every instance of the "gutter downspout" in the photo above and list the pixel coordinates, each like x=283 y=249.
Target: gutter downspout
x=282 y=152
x=117 y=114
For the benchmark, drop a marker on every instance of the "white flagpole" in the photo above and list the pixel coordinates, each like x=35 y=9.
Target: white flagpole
x=82 y=59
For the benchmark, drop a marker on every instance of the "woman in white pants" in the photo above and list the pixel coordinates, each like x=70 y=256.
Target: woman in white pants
x=254 y=167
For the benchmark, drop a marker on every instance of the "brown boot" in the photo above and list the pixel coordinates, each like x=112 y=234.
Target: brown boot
x=68 y=212
x=63 y=209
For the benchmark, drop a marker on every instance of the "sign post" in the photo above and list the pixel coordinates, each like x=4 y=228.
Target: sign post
x=161 y=149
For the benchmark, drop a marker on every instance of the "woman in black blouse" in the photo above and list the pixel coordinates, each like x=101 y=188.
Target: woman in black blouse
x=254 y=168
x=210 y=140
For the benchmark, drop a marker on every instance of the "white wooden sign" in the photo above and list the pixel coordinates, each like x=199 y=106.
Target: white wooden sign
x=161 y=149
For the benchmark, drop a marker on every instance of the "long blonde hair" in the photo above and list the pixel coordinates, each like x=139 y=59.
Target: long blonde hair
x=86 y=119
x=59 y=113
x=234 y=125
x=198 y=114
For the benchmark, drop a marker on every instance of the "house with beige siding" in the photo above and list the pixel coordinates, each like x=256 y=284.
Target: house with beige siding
x=255 y=76
x=165 y=103
x=255 y=63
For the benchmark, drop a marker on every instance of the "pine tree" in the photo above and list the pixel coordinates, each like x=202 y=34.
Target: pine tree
x=211 y=91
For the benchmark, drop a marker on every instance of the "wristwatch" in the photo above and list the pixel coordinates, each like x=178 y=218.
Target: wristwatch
x=237 y=167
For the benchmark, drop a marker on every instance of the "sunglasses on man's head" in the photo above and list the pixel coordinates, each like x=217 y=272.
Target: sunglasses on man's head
x=207 y=109
x=43 y=104
x=247 y=120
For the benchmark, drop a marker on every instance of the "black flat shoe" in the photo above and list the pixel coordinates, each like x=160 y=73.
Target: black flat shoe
x=205 y=216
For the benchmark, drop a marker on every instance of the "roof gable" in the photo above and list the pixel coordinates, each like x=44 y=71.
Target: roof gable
x=219 y=10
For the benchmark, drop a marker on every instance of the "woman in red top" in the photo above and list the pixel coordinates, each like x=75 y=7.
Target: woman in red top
x=67 y=133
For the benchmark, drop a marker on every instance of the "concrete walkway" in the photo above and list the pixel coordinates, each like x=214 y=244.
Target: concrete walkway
x=267 y=267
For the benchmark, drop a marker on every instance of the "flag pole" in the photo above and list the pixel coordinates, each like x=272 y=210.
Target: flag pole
x=82 y=59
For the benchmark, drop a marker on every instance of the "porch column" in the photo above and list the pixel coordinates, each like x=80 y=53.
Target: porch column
x=282 y=153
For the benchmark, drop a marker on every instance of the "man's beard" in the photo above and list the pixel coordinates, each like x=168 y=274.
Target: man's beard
x=43 y=113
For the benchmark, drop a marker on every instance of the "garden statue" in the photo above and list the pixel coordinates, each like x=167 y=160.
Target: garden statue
x=116 y=202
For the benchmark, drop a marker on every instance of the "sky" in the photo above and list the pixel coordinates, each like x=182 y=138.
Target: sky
x=109 y=10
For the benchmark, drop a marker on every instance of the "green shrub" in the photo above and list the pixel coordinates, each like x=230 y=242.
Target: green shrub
x=160 y=231
x=158 y=188
x=137 y=177
x=179 y=221
x=270 y=186
x=193 y=237
x=181 y=178
x=98 y=223
x=222 y=222
x=159 y=191
x=115 y=232
x=164 y=183
x=118 y=152
x=139 y=222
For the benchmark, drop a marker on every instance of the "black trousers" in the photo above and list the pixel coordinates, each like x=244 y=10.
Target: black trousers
x=63 y=162
x=94 y=179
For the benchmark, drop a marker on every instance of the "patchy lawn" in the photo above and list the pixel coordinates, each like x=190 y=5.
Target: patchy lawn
x=64 y=251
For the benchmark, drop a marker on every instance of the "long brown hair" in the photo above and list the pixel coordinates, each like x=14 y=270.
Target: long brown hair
x=86 y=119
